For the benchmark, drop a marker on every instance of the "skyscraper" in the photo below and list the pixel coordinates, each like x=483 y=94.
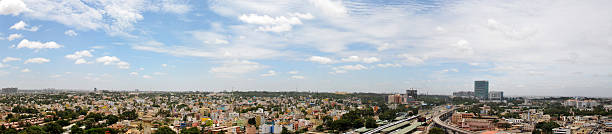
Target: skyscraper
x=481 y=89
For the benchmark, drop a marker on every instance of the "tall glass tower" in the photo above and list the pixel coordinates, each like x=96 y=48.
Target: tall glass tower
x=481 y=89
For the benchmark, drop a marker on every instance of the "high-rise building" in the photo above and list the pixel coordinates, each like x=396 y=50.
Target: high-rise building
x=9 y=90
x=496 y=95
x=481 y=89
x=411 y=95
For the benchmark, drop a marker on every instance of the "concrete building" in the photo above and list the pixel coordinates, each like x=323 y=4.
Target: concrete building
x=9 y=90
x=411 y=95
x=581 y=103
x=395 y=98
x=561 y=130
x=464 y=94
x=496 y=95
x=481 y=89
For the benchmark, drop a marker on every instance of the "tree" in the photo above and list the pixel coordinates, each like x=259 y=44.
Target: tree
x=75 y=129
x=208 y=123
x=193 y=130
x=101 y=131
x=63 y=122
x=370 y=123
x=53 y=128
x=285 y=131
x=547 y=126
x=111 y=119
x=436 y=130
x=505 y=125
x=252 y=121
x=164 y=130
x=129 y=115
x=33 y=130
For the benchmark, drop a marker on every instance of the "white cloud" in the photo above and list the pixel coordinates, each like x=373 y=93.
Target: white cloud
x=293 y=72
x=270 y=73
x=236 y=67
x=297 y=77
x=38 y=45
x=352 y=67
x=81 y=61
x=14 y=36
x=79 y=57
x=133 y=73
x=351 y=59
x=275 y=24
x=113 y=60
x=409 y=59
x=385 y=65
x=9 y=59
x=70 y=33
x=25 y=70
x=23 y=26
x=36 y=60
x=146 y=76
x=164 y=65
x=79 y=54
x=320 y=60
x=370 y=60
x=12 y=7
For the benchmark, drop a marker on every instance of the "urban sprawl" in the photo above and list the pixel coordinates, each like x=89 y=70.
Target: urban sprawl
x=251 y=112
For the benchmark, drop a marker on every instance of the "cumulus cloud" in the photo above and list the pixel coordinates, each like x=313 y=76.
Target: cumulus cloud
x=320 y=60
x=9 y=59
x=12 y=7
x=386 y=65
x=164 y=65
x=346 y=68
x=36 y=60
x=275 y=24
x=113 y=60
x=38 y=45
x=79 y=57
x=146 y=76
x=23 y=26
x=70 y=33
x=14 y=36
x=293 y=72
x=270 y=73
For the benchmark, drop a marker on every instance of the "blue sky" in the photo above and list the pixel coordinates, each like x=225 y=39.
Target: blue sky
x=522 y=47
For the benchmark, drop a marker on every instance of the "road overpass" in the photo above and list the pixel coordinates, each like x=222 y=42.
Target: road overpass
x=447 y=127
x=378 y=129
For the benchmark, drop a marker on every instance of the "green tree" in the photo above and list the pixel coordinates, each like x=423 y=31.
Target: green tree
x=75 y=129
x=101 y=131
x=285 y=131
x=53 y=128
x=370 y=123
x=252 y=121
x=547 y=127
x=33 y=130
x=436 y=130
x=129 y=115
x=111 y=119
x=164 y=130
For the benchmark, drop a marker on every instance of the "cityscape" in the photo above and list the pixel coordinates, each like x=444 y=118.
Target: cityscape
x=305 y=67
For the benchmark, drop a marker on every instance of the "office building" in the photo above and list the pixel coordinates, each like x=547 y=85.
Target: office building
x=481 y=89
x=411 y=95
x=9 y=90
x=395 y=98
x=496 y=95
x=463 y=94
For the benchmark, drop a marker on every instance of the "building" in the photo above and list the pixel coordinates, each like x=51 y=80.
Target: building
x=481 y=89
x=581 y=103
x=496 y=95
x=561 y=130
x=9 y=90
x=411 y=95
x=395 y=98
x=464 y=94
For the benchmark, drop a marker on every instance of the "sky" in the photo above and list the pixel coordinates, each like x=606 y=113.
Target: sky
x=522 y=47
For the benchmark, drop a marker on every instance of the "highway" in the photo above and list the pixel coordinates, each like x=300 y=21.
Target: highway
x=445 y=125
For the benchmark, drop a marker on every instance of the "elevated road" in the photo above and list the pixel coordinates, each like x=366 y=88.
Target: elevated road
x=444 y=125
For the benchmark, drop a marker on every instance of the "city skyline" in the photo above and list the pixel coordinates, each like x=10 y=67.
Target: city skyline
x=544 y=48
